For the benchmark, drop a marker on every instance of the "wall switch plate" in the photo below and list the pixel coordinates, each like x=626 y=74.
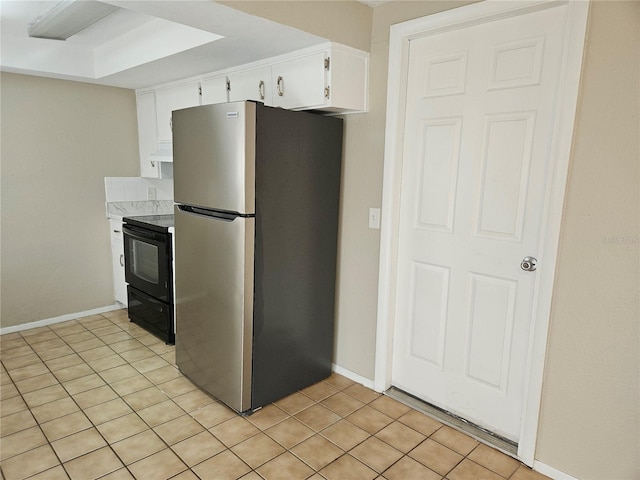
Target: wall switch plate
x=151 y=193
x=374 y=218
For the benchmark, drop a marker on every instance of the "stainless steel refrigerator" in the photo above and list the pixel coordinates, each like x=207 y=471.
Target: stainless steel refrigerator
x=256 y=219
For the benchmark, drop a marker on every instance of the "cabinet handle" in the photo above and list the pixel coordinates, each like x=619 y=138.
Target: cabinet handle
x=122 y=260
x=261 y=89
x=280 y=86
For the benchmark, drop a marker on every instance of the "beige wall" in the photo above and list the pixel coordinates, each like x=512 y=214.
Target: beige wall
x=362 y=188
x=349 y=23
x=590 y=423
x=345 y=22
x=589 y=426
x=59 y=140
x=359 y=248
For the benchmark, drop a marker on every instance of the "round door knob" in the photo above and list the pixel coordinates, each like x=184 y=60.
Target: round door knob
x=528 y=264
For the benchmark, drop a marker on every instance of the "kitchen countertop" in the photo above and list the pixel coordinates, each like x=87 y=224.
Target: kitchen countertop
x=119 y=210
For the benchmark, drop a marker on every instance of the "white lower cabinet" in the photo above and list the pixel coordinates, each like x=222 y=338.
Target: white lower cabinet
x=117 y=257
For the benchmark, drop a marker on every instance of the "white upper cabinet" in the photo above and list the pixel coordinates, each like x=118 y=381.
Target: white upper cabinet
x=147 y=133
x=213 y=90
x=301 y=82
x=347 y=80
x=170 y=99
x=335 y=80
x=253 y=84
x=329 y=78
x=154 y=124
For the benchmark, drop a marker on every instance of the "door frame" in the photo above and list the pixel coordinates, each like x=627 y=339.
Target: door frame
x=560 y=151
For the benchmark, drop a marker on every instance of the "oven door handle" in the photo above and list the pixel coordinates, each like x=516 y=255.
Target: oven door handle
x=142 y=234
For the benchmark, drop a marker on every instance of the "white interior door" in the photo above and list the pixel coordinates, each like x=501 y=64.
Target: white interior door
x=478 y=130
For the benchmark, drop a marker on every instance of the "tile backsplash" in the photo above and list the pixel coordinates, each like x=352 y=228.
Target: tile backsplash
x=131 y=189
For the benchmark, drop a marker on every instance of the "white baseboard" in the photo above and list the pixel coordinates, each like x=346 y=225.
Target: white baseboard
x=62 y=318
x=551 y=472
x=352 y=376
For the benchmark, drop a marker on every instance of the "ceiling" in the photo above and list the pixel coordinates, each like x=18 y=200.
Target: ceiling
x=144 y=42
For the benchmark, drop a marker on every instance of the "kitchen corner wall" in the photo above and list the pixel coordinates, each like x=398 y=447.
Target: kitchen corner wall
x=590 y=419
x=59 y=140
x=589 y=426
x=346 y=22
x=590 y=416
x=349 y=23
x=358 y=26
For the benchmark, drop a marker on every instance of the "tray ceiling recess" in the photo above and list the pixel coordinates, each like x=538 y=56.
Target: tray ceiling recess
x=136 y=44
x=67 y=18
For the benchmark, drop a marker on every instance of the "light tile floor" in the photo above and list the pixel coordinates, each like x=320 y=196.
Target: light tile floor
x=99 y=397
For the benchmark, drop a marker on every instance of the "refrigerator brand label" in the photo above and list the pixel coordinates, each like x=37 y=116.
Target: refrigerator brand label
x=232 y=114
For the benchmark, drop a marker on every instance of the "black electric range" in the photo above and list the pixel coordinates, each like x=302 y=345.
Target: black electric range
x=148 y=262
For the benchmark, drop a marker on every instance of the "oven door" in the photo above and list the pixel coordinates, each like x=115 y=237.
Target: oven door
x=148 y=261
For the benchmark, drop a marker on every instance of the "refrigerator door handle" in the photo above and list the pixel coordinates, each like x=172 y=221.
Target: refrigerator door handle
x=215 y=214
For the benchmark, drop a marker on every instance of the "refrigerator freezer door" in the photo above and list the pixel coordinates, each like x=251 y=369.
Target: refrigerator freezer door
x=214 y=156
x=214 y=304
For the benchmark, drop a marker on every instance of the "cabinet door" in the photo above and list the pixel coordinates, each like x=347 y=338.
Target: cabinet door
x=147 y=133
x=117 y=256
x=213 y=90
x=170 y=99
x=251 y=85
x=301 y=82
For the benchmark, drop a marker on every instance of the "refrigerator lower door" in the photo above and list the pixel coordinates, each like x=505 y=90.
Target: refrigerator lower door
x=214 y=304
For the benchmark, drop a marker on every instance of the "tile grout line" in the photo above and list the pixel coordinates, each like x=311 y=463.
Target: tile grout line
x=39 y=425
x=94 y=426
x=109 y=444
x=316 y=400
x=49 y=442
